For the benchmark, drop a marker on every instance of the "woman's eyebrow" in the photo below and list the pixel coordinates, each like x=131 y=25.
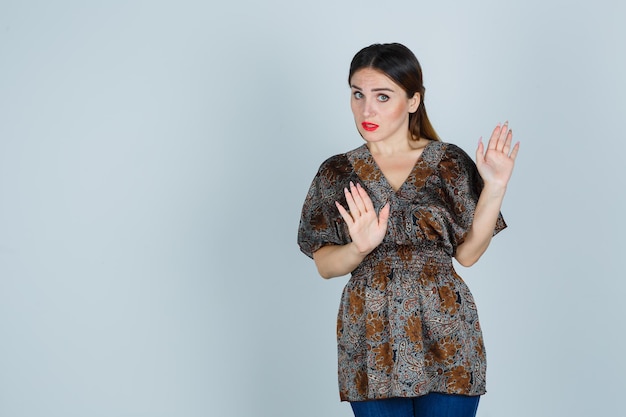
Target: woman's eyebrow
x=373 y=89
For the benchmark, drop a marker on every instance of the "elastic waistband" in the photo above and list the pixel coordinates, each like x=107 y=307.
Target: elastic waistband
x=407 y=255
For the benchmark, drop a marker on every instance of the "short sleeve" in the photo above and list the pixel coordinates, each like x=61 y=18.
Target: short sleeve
x=320 y=221
x=462 y=186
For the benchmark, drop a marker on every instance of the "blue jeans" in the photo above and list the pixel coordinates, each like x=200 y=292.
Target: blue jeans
x=430 y=405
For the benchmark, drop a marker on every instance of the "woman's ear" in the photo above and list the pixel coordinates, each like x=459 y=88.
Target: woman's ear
x=414 y=102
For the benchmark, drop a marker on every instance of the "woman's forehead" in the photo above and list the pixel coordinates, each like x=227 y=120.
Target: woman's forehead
x=370 y=78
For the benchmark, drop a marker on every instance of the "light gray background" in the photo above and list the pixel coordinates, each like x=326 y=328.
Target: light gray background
x=154 y=157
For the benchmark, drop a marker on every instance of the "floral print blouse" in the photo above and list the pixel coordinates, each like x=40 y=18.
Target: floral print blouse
x=407 y=323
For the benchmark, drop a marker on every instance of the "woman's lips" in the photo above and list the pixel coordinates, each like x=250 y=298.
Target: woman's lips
x=370 y=127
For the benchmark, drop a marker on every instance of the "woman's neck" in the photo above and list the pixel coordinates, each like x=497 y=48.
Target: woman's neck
x=390 y=147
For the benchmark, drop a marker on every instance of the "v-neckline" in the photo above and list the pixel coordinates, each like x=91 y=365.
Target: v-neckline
x=408 y=177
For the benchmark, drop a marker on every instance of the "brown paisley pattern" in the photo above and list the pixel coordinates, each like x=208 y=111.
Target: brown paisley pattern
x=407 y=323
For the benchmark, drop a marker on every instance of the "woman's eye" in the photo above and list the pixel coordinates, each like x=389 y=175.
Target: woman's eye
x=383 y=97
x=358 y=94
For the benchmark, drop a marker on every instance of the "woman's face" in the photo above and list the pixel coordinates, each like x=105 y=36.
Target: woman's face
x=380 y=106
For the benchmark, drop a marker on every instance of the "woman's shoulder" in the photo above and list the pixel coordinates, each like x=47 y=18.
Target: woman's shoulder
x=455 y=166
x=448 y=148
x=335 y=161
x=339 y=164
x=450 y=152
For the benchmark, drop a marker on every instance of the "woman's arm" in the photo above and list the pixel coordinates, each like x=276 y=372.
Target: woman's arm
x=495 y=166
x=337 y=260
x=367 y=230
x=479 y=236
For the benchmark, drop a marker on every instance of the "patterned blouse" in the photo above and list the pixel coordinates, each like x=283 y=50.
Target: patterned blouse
x=407 y=323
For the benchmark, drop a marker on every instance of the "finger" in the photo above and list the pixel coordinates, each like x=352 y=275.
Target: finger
x=358 y=200
x=383 y=216
x=367 y=201
x=507 y=143
x=344 y=214
x=354 y=210
x=515 y=151
x=502 y=136
x=494 y=137
x=480 y=151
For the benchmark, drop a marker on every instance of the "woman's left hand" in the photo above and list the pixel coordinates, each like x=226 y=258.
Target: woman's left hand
x=495 y=165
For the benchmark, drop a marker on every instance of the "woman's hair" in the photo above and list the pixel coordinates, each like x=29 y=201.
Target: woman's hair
x=397 y=62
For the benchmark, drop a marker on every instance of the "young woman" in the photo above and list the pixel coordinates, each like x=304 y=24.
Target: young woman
x=393 y=213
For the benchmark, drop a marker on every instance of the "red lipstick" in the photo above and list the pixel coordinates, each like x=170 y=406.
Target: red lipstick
x=370 y=127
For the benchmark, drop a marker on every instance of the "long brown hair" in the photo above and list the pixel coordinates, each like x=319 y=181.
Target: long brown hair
x=397 y=62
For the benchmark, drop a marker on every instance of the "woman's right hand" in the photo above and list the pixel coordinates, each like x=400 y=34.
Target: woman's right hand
x=367 y=229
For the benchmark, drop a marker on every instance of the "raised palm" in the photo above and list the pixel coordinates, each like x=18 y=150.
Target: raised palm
x=367 y=228
x=495 y=165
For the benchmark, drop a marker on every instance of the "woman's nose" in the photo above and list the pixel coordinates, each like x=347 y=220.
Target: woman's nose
x=368 y=109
